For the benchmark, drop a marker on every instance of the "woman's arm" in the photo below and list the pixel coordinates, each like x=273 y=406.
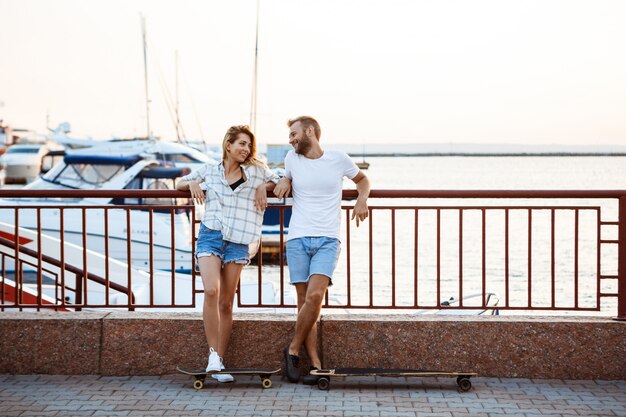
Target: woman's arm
x=260 y=199
x=197 y=193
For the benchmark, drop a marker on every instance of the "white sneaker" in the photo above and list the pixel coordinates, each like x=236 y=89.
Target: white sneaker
x=215 y=363
x=223 y=377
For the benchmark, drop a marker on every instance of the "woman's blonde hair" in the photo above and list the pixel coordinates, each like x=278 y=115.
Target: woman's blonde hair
x=231 y=136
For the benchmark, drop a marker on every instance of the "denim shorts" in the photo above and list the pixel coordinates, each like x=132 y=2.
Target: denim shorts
x=307 y=256
x=211 y=242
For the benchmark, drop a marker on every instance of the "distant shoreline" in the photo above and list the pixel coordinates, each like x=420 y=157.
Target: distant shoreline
x=402 y=154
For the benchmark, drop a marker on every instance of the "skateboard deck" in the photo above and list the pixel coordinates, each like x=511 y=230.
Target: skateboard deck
x=462 y=378
x=201 y=374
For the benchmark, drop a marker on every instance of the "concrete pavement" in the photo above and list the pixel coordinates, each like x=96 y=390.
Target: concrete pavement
x=173 y=395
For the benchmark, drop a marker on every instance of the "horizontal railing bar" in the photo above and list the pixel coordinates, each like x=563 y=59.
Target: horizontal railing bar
x=21 y=193
x=609 y=276
x=126 y=306
x=538 y=208
x=71 y=268
x=489 y=193
x=278 y=306
x=609 y=241
x=101 y=207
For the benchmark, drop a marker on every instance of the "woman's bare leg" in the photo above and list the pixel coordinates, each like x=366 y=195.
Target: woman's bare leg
x=230 y=278
x=210 y=271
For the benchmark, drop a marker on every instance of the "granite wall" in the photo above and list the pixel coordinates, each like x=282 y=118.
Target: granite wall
x=134 y=343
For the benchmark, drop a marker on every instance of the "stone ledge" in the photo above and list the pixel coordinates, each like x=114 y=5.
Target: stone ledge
x=137 y=343
x=498 y=346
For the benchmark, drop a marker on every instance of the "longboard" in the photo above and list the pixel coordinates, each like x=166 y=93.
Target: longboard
x=201 y=374
x=323 y=383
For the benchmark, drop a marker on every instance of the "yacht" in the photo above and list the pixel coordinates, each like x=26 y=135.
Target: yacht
x=116 y=165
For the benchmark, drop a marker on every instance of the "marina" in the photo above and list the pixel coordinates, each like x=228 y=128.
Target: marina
x=483 y=235
x=462 y=249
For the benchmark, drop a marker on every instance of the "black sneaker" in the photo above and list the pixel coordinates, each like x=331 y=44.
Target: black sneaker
x=291 y=366
x=311 y=379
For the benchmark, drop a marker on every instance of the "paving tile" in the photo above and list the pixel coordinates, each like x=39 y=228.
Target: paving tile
x=65 y=395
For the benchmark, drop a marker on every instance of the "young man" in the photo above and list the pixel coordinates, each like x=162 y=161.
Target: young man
x=315 y=177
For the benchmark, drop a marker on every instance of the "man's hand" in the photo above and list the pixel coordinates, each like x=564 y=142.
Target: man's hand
x=260 y=199
x=283 y=188
x=360 y=211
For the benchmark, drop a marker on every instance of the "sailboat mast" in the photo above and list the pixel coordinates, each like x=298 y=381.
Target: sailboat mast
x=177 y=101
x=254 y=74
x=145 y=71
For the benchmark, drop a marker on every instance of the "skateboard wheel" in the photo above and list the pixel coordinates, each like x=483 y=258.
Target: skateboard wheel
x=198 y=384
x=267 y=383
x=323 y=384
x=464 y=384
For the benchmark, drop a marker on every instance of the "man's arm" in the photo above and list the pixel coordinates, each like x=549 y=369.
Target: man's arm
x=360 y=211
x=282 y=188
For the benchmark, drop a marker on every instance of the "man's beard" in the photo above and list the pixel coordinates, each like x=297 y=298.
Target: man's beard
x=304 y=145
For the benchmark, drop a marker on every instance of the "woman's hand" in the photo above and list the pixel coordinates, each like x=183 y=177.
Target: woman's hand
x=197 y=193
x=260 y=199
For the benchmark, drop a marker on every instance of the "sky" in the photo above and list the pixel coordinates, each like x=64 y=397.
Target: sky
x=371 y=71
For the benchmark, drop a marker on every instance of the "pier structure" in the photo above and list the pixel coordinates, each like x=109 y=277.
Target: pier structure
x=563 y=251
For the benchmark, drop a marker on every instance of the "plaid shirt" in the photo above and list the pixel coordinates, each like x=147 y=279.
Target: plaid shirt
x=232 y=211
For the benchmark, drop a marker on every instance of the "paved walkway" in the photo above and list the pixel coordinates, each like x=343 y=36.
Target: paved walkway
x=173 y=395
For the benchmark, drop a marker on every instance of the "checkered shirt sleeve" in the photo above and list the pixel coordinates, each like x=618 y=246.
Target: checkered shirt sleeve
x=233 y=211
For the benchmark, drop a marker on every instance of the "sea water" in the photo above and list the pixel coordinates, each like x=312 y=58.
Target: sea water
x=465 y=266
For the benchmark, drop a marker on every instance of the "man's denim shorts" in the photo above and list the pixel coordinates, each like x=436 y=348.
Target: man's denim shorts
x=211 y=242
x=307 y=256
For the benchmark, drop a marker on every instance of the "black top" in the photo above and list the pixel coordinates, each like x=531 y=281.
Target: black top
x=237 y=183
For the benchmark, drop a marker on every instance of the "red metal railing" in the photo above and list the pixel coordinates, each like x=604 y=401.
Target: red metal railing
x=538 y=250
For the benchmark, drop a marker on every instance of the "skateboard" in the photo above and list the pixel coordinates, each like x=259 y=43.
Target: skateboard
x=200 y=374
x=323 y=383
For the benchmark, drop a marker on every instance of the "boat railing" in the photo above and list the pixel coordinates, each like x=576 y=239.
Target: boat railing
x=61 y=285
x=538 y=250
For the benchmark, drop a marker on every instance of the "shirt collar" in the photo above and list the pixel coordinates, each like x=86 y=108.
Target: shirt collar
x=246 y=169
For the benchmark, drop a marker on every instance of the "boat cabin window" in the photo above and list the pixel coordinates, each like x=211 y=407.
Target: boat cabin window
x=191 y=156
x=178 y=157
x=50 y=159
x=16 y=149
x=78 y=175
x=139 y=183
x=155 y=178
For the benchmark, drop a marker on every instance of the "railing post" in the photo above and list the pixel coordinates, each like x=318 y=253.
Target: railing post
x=78 y=299
x=621 y=261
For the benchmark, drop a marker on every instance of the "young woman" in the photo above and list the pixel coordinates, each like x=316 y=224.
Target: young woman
x=236 y=197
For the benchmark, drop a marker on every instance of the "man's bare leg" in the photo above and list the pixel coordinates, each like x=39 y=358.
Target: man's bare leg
x=310 y=343
x=309 y=312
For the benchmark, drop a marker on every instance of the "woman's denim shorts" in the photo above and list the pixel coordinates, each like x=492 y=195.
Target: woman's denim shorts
x=211 y=242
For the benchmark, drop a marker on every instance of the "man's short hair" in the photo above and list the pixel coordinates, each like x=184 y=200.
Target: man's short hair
x=307 y=121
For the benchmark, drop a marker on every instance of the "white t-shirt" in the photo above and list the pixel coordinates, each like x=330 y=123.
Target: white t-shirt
x=316 y=189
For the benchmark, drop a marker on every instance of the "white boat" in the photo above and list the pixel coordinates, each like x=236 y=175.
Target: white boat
x=22 y=162
x=116 y=165
x=109 y=282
